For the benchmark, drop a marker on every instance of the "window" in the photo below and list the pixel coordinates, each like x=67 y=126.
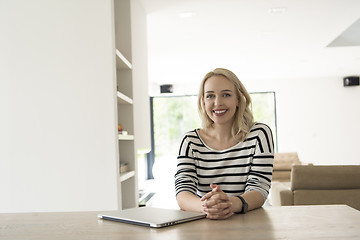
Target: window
x=173 y=116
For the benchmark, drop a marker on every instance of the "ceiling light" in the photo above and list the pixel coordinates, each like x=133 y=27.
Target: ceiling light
x=186 y=14
x=277 y=10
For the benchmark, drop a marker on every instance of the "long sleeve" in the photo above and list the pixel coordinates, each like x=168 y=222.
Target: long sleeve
x=186 y=177
x=261 y=167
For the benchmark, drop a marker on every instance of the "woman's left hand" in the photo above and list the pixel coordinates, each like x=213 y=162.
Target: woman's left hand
x=216 y=204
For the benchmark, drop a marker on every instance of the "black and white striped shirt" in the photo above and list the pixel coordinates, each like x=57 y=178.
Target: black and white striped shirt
x=244 y=167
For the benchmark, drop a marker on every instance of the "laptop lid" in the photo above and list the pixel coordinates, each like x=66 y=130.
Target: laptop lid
x=152 y=217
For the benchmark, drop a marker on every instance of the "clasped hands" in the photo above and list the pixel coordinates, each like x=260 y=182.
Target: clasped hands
x=216 y=204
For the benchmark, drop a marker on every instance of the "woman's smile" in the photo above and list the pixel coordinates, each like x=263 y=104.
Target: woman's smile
x=219 y=112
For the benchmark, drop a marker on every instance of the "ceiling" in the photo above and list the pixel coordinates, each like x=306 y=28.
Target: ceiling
x=256 y=39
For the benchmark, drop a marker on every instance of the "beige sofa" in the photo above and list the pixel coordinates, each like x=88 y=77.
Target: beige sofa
x=319 y=185
x=283 y=163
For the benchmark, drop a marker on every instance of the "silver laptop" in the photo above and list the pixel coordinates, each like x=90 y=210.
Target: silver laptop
x=152 y=217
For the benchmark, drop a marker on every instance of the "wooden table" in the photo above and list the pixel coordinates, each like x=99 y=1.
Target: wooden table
x=293 y=222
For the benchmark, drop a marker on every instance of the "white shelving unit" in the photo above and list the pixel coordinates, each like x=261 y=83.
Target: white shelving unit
x=125 y=105
x=133 y=107
x=123 y=63
x=123 y=99
x=126 y=137
x=127 y=175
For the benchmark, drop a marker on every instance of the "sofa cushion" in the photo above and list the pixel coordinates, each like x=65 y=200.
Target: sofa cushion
x=284 y=161
x=325 y=177
x=281 y=176
x=350 y=197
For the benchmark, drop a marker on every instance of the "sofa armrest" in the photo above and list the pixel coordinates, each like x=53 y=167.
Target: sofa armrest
x=281 y=194
x=286 y=197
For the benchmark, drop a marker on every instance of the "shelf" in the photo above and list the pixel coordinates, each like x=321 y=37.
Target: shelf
x=126 y=175
x=126 y=137
x=122 y=62
x=123 y=99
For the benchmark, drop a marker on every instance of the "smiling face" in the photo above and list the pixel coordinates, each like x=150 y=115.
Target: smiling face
x=220 y=99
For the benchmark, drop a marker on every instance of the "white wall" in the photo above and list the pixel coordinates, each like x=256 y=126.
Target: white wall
x=57 y=121
x=318 y=118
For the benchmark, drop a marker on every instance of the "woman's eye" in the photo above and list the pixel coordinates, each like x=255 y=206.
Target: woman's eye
x=227 y=95
x=210 y=96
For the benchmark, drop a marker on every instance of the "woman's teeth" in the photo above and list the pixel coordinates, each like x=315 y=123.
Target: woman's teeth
x=219 y=111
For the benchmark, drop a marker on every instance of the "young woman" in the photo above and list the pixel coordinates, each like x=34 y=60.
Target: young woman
x=225 y=167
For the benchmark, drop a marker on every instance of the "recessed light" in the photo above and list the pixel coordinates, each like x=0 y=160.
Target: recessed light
x=186 y=14
x=277 y=10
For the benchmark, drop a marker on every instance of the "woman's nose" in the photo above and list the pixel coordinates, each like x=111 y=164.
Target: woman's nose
x=217 y=101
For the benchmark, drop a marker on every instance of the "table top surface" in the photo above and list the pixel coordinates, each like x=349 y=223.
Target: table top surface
x=287 y=222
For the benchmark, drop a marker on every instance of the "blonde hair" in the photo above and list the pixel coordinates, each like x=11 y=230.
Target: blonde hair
x=243 y=120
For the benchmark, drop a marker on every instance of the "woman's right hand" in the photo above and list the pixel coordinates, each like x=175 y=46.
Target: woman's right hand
x=216 y=204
